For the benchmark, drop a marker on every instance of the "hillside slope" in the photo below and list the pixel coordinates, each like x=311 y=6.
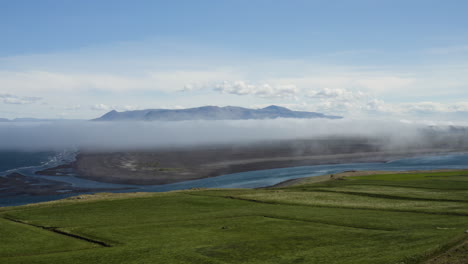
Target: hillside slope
x=391 y=218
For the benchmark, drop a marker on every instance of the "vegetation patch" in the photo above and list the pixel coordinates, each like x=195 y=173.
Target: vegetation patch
x=415 y=218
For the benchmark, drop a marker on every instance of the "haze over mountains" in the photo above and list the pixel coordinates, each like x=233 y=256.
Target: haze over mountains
x=29 y=120
x=210 y=113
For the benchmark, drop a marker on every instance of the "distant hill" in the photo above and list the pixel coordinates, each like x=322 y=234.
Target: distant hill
x=210 y=113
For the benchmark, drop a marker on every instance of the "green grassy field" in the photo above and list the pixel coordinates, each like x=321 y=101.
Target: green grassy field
x=393 y=218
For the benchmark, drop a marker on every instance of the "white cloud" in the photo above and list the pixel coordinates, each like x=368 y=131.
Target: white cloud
x=137 y=76
x=100 y=107
x=427 y=107
x=435 y=107
x=338 y=100
x=73 y=107
x=20 y=100
x=264 y=90
x=333 y=100
x=384 y=83
x=342 y=101
x=48 y=81
x=123 y=135
x=377 y=105
x=104 y=107
x=459 y=107
x=336 y=93
x=352 y=79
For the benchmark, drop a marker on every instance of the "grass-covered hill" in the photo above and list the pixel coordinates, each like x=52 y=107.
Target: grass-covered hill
x=387 y=218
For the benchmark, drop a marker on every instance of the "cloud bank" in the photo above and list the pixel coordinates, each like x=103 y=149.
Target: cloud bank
x=151 y=135
x=19 y=100
x=264 y=90
x=135 y=76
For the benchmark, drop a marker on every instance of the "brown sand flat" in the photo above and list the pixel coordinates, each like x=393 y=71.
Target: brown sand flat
x=16 y=184
x=182 y=164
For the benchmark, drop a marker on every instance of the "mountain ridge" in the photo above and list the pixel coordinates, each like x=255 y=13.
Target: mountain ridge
x=210 y=113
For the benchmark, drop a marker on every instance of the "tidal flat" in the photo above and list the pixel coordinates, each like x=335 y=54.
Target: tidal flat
x=179 y=164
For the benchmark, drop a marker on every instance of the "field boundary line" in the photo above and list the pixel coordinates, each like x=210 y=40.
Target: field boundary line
x=432 y=256
x=393 y=185
x=329 y=224
x=330 y=206
x=58 y=231
x=385 y=196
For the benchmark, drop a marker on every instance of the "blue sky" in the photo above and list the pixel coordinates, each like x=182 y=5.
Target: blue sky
x=79 y=59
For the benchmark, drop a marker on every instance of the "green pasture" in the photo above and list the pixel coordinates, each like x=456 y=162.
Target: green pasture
x=393 y=218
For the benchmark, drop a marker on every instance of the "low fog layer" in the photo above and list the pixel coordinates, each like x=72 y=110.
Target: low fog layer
x=156 y=135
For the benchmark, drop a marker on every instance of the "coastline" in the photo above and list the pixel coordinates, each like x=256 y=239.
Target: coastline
x=16 y=184
x=103 y=195
x=177 y=168
x=57 y=189
x=159 y=168
x=341 y=175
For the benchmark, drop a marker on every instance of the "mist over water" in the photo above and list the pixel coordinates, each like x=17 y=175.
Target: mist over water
x=250 y=179
x=16 y=159
x=104 y=136
x=247 y=138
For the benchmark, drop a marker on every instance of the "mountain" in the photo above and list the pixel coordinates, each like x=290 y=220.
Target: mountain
x=209 y=113
x=4 y=120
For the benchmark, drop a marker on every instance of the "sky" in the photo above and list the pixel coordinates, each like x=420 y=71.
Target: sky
x=403 y=60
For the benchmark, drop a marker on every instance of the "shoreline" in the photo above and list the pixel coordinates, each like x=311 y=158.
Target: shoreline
x=16 y=184
x=108 y=194
x=341 y=175
x=158 y=168
x=57 y=188
x=154 y=168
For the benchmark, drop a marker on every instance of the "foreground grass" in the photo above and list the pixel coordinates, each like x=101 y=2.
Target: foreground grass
x=393 y=218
